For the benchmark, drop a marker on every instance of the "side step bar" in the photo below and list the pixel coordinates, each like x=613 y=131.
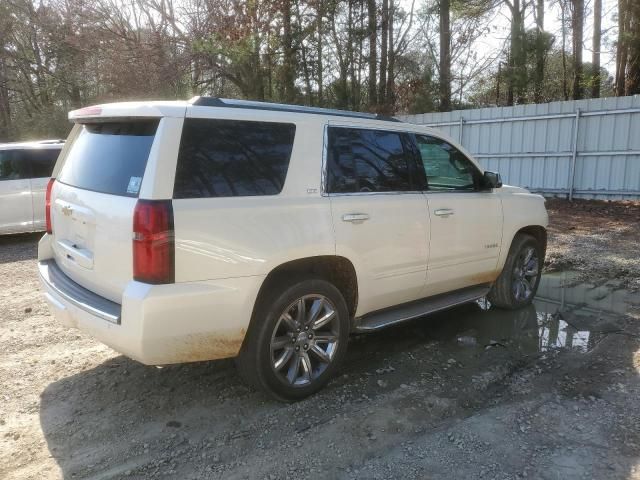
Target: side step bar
x=407 y=311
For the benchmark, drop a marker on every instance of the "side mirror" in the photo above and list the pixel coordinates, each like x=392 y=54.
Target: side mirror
x=491 y=180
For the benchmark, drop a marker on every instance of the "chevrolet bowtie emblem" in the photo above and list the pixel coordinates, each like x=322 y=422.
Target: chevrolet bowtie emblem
x=67 y=210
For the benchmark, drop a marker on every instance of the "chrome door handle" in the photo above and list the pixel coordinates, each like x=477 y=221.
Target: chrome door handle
x=355 y=217
x=443 y=212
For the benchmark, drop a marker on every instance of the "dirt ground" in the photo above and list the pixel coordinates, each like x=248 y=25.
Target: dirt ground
x=601 y=240
x=547 y=392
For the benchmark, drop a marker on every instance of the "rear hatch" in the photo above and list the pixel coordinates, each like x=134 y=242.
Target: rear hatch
x=93 y=200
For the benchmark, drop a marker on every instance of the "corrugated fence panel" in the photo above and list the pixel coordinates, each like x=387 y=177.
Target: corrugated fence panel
x=534 y=146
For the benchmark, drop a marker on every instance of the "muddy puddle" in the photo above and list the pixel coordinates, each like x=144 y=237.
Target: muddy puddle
x=565 y=314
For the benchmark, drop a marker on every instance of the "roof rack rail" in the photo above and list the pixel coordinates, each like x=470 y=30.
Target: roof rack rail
x=282 y=107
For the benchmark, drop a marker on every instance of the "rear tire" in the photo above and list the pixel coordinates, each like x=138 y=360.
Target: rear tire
x=518 y=283
x=297 y=340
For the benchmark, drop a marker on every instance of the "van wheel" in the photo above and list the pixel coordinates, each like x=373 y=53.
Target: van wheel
x=518 y=283
x=297 y=340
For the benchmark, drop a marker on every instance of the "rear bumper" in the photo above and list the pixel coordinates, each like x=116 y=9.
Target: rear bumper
x=158 y=324
x=66 y=289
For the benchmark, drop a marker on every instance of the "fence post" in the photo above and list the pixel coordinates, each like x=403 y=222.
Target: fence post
x=574 y=154
x=460 y=130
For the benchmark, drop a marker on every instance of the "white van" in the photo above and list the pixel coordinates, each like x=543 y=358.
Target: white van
x=25 y=169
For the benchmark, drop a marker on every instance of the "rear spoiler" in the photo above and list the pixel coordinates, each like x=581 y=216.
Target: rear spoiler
x=87 y=112
x=129 y=110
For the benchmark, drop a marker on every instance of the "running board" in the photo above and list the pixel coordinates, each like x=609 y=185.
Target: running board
x=407 y=311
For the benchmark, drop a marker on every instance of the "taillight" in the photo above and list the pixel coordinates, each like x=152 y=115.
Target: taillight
x=153 y=242
x=47 y=205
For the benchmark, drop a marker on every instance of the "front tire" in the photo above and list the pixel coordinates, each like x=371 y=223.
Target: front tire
x=297 y=340
x=518 y=283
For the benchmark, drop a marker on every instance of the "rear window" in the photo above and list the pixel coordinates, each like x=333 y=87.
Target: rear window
x=229 y=158
x=110 y=157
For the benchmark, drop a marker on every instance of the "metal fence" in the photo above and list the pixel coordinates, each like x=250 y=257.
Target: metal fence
x=584 y=148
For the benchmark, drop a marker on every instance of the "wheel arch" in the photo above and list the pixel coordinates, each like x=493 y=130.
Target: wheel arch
x=501 y=293
x=335 y=269
x=536 y=231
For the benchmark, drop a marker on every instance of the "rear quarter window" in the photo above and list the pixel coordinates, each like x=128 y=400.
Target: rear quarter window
x=110 y=157
x=42 y=161
x=230 y=158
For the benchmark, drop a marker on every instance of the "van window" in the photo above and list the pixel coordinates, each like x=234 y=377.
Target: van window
x=229 y=158
x=360 y=160
x=12 y=166
x=42 y=161
x=110 y=157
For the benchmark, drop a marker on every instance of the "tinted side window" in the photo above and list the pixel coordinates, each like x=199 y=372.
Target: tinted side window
x=13 y=165
x=360 y=160
x=42 y=161
x=229 y=158
x=445 y=166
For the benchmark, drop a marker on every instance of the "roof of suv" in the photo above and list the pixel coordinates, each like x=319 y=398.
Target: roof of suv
x=178 y=107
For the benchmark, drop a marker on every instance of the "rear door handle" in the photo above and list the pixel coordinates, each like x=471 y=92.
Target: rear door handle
x=355 y=217
x=444 y=212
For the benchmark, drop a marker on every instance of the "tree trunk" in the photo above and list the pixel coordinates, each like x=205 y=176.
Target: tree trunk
x=633 y=66
x=350 y=56
x=307 y=74
x=517 y=62
x=305 y=66
x=565 y=88
x=259 y=85
x=619 y=79
x=498 y=78
x=595 y=60
x=269 y=67
x=445 y=55
x=510 y=80
x=513 y=51
x=540 y=51
x=320 y=14
x=288 y=65
x=5 y=106
x=360 y=64
x=391 y=81
x=372 y=30
x=577 y=21
x=621 y=48
x=384 y=26
x=520 y=60
x=341 y=84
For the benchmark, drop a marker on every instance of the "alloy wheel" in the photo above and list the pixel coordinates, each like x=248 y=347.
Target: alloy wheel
x=525 y=274
x=305 y=340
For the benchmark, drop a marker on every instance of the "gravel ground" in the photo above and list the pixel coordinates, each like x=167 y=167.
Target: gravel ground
x=548 y=392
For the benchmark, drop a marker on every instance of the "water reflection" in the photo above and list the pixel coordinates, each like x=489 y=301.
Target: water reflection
x=564 y=314
x=559 y=334
x=577 y=315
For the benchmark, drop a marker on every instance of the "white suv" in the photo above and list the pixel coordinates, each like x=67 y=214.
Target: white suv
x=25 y=169
x=186 y=231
